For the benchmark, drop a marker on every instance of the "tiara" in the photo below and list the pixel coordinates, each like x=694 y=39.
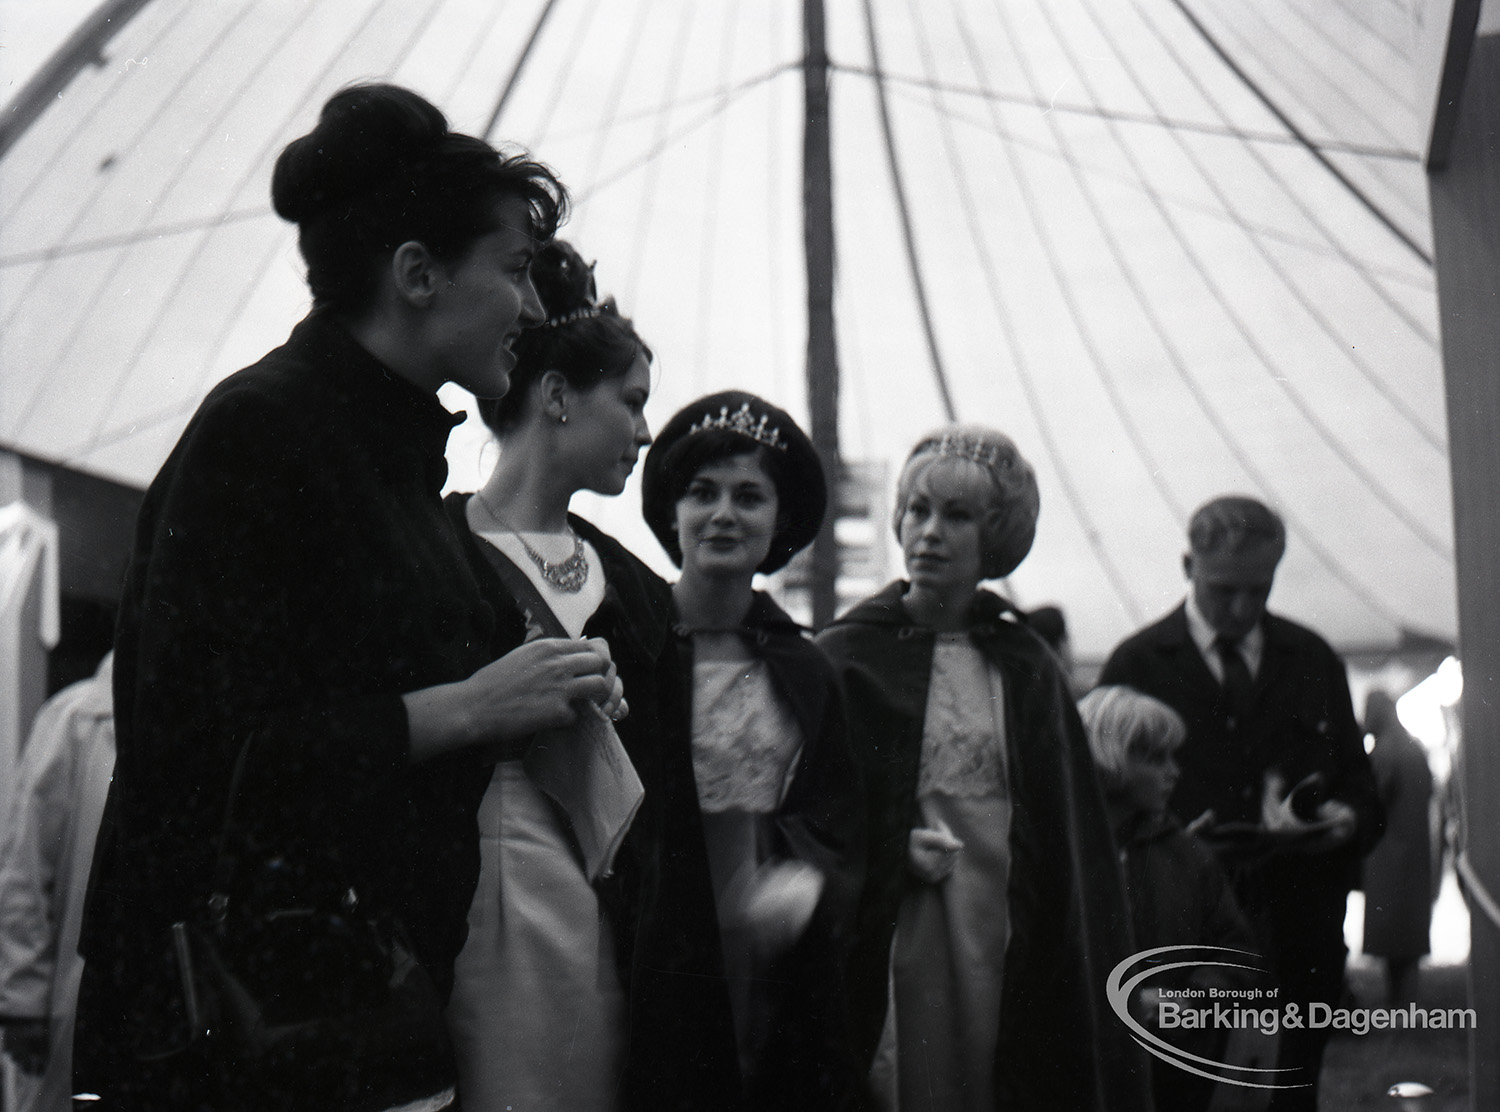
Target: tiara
x=959 y=446
x=583 y=312
x=743 y=422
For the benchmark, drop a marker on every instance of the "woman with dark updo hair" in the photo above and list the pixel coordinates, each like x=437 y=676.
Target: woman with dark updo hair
x=301 y=632
x=584 y=986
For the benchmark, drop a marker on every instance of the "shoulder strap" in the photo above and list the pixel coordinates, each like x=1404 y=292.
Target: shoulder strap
x=524 y=591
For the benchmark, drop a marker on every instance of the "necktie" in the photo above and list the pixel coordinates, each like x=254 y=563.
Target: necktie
x=1237 y=679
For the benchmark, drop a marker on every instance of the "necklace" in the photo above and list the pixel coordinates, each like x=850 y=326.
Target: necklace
x=566 y=575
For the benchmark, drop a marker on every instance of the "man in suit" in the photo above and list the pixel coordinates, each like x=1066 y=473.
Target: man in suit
x=1274 y=757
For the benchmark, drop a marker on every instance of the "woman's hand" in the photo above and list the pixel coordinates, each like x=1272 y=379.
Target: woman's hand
x=542 y=684
x=931 y=852
x=774 y=902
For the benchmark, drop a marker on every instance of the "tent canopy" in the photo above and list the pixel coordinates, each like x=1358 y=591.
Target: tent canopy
x=1173 y=247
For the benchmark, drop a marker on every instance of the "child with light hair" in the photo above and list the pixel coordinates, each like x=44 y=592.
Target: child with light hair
x=1177 y=893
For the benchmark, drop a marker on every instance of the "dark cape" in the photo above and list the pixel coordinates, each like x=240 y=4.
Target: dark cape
x=1059 y=1044
x=681 y=1052
x=820 y=822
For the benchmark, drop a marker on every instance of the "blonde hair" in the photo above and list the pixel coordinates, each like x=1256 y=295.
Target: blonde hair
x=1123 y=723
x=1009 y=526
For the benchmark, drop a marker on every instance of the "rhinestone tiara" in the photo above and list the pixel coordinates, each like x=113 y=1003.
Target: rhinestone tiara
x=584 y=312
x=959 y=446
x=743 y=422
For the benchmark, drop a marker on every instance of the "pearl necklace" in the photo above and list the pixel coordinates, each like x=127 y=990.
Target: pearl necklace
x=566 y=575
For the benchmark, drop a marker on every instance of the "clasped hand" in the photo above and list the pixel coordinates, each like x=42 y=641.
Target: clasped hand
x=932 y=851
x=544 y=684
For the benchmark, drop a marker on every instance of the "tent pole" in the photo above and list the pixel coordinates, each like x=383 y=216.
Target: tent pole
x=1466 y=238
x=822 y=342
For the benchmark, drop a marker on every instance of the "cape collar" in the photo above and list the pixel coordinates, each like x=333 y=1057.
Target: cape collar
x=764 y=616
x=886 y=608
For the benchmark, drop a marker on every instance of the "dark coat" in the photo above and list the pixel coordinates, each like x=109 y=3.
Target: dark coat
x=1299 y=720
x=1060 y=1046
x=1178 y=894
x=1398 y=873
x=293 y=574
x=681 y=1050
x=821 y=822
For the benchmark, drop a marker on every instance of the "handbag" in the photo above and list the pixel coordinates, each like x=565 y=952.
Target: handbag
x=296 y=996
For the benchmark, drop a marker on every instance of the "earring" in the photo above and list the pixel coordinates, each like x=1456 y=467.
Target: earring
x=562 y=418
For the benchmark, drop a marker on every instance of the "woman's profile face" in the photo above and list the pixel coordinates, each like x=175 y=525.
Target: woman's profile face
x=726 y=518
x=486 y=299
x=941 y=529
x=607 y=429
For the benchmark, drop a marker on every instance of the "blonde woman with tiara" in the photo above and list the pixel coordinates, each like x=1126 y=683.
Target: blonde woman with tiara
x=992 y=910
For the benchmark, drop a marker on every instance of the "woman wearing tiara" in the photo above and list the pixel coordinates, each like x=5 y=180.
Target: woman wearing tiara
x=732 y=488
x=993 y=912
x=586 y=982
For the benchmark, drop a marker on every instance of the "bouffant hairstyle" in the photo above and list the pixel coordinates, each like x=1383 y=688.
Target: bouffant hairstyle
x=722 y=426
x=381 y=169
x=583 y=339
x=1123 y=723
x=1009 y=526
x=1235 y=524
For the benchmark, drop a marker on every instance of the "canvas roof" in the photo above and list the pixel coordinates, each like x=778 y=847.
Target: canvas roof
x=1173 y=247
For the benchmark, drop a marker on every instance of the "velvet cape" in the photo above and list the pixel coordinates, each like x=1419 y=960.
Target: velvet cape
x=820 y=822
x=1059 y=1045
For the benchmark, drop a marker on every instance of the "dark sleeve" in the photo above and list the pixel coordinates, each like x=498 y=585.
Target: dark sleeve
x=241 y=611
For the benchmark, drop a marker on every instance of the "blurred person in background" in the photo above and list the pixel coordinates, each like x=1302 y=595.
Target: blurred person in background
x=1398 y=873
x=58 y=798
x=1274 y=772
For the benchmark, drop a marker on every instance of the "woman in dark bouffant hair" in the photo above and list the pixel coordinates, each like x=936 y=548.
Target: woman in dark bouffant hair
x=298 y=594
x=733 y=488
x=623 y=969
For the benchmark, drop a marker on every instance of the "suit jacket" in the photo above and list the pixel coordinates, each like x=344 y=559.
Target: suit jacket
x=1299 y=720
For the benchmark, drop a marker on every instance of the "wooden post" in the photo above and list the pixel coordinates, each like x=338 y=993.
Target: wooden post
x=822 y=342
x=1465 y=193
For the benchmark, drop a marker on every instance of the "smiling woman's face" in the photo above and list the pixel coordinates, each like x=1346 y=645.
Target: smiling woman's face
x=607 y=429
x=726 y=518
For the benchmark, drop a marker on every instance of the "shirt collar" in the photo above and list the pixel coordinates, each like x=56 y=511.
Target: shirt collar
x=1251 y=646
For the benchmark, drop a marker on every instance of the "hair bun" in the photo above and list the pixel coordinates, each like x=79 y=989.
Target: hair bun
x=365 y=135
x=563 y=281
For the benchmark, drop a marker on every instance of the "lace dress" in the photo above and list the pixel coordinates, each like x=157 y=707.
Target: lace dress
x=948 y=957
x=745 y=748
x=538 y=1014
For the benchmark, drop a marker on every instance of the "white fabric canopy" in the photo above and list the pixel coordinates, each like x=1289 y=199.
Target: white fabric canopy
x=1173 y=248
